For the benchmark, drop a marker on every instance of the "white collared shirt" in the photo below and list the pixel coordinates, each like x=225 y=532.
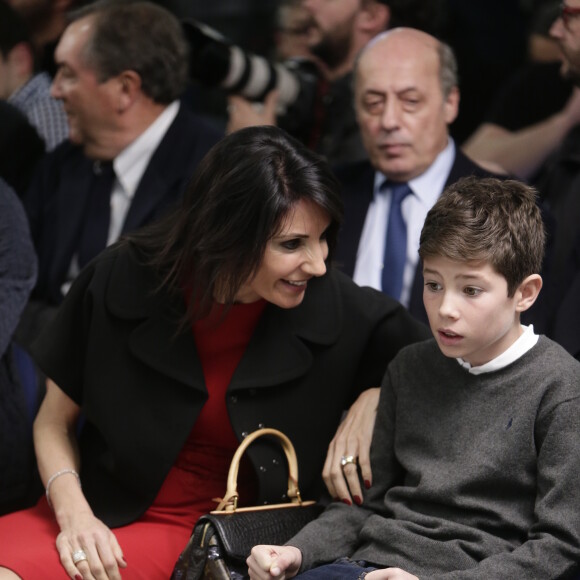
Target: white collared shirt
x=426 y=188
x=525 y=342
x=130 y=165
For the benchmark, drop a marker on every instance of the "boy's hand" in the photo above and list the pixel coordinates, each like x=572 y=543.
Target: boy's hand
x=269 y=562
x=390 y=574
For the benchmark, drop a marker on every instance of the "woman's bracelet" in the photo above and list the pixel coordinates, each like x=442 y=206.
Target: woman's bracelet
x=58 y=474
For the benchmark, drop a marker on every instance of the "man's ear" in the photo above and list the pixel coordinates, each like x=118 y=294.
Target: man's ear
x=374 y=17
x=129 y=88
x=451 y=105
x=528 y=291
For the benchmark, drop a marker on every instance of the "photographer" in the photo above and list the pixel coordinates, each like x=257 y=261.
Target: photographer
x=313 y=97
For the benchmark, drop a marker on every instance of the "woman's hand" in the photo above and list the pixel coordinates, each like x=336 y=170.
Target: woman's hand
x=56 y=448
x=353 y=438
x=85 y=533
x=274 y=562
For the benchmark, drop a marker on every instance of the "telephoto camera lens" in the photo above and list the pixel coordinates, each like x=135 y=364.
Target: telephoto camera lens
x=215 y=62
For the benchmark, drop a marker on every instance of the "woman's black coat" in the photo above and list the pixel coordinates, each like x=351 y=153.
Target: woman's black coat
x=113 y=349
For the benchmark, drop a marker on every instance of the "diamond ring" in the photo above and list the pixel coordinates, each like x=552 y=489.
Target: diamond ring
x=79 y=556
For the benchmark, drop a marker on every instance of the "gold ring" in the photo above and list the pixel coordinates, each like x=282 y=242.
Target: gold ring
x=346 y=459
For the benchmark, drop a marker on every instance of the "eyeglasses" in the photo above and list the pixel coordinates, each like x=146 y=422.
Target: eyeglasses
x=567 y=13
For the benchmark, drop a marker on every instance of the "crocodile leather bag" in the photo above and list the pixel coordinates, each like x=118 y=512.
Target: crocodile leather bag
x=222 y=540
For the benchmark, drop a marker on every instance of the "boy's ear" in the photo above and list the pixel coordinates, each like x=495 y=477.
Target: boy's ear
x=528 y=291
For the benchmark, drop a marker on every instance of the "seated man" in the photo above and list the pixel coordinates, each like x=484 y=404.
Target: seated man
x=406 y=97
x=534 y=108
x=46 y=21
x=476 y=448
x=122 y=68
x=322 y=115
x=22 y=85
x=556 y=313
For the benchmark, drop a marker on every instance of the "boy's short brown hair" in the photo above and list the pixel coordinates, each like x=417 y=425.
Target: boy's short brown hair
x=492 y=220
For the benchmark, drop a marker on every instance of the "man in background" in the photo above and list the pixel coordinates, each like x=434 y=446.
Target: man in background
x=21 y=84
x=46 y=21
x=322 y=116
x=557 y=312
x=122 y=68
x=406 y=96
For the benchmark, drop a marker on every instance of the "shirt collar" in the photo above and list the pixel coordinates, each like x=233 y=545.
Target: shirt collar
x=427 y=186
x=131 y=163
x=525 y=342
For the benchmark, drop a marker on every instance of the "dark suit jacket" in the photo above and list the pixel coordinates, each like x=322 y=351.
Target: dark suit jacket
x=113 y=349
x=21 y=148
x=17 y=276
x=357 y=181
x=56 y=199
x=556 y=312
x=566 y=326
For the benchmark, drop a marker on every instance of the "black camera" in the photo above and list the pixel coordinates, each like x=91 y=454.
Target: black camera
x=216 y=62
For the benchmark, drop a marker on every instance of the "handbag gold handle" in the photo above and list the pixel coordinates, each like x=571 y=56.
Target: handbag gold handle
x=230 y=501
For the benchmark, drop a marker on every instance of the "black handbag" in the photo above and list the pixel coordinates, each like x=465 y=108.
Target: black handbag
x=222 y=540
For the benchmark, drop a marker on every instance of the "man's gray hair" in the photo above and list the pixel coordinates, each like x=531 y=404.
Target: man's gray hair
x=448 y=75
x=140 y=36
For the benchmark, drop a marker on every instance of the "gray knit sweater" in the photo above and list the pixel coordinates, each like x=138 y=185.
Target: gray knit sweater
x=475 y=476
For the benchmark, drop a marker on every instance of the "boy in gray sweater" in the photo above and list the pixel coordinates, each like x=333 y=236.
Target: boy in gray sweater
x=476 y=448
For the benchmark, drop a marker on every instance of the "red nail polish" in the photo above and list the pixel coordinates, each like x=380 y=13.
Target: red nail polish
x=78 y=577
x=357 y=500
x=367 y=484
x=347 y=501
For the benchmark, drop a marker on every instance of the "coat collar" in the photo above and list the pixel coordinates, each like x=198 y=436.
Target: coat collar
x=279 y=350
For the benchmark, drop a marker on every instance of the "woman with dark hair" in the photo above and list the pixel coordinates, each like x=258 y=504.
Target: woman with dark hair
x=180 y=340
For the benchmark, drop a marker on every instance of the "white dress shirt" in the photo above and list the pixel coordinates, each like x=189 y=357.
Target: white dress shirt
x=130 y=165
x=426 y=188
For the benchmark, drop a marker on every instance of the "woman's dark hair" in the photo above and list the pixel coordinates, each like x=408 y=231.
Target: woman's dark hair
x=237 y=200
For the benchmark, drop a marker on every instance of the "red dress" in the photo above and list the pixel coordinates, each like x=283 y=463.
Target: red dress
x=152 y=544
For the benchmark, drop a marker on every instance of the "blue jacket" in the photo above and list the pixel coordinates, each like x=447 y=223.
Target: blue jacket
x=17 y=277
